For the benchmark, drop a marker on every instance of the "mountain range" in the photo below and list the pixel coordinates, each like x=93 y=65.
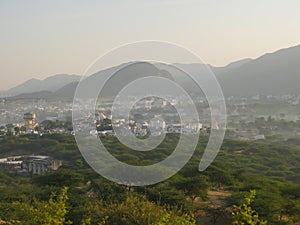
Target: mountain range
x=276 y=73
x=50 y=84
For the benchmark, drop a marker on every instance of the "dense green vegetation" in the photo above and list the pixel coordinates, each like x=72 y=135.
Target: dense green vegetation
x=76 y=194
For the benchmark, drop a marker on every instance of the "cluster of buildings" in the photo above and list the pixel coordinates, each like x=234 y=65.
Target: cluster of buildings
x=29 y=164
x=151 y=116
x=159 y=127
x=156 y=127
x=12 y=111
x=31 y=126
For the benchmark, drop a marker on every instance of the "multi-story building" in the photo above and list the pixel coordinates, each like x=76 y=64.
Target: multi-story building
x=31 y=164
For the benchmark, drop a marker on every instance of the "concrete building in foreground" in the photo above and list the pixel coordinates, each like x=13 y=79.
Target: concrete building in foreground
x=32 y=164
x=40 y=164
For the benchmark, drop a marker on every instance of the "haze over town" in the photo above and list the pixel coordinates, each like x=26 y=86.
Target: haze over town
x=41 y=39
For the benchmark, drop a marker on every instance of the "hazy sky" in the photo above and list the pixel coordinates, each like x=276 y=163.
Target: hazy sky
x=43 y=38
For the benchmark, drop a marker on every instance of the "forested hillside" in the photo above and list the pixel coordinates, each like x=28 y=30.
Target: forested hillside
x=265 y=173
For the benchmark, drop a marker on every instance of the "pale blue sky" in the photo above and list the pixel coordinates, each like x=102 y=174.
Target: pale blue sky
x=42 y=38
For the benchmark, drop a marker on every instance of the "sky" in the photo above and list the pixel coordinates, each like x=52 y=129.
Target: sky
x=42 y=38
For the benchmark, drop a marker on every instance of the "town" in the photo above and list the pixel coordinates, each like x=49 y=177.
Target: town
x=247 y=118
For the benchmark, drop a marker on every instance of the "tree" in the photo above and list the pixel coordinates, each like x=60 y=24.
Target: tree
x=23 y=129
x=215 y=213
x=219 y=176
x=60 y=178
x=17 y=130
x=52 y=212
x=244 y=214
x=194 y=187
x=137 y=210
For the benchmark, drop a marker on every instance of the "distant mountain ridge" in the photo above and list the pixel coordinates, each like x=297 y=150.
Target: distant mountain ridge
x=50 y=84
x=276 y=73
x=230 y=66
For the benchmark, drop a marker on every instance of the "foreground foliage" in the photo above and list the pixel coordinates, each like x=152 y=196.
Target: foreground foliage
x=244 y=214
x=271 y=167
